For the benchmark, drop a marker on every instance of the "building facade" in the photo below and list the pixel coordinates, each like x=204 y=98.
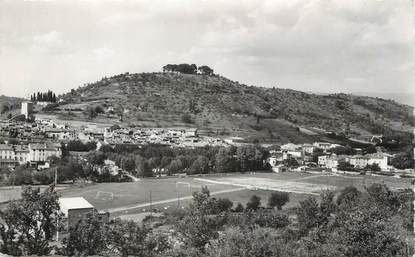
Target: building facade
x=27 y=109
x=12 y=155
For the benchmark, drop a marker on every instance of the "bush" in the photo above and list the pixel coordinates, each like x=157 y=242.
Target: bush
x=186 y=118
x=278 y=199
x=98 y=109
x=254 y=203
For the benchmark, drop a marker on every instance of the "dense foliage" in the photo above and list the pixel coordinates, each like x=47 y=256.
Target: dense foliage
x=48 y=96
x=27 y=226
x=188 y=69
x=144 y=160
x=349 y=223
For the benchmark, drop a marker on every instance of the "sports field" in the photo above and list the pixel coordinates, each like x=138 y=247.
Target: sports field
x=139 y=196
x=167 y=193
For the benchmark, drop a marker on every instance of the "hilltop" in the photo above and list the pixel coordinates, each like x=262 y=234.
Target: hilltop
x=216 y=104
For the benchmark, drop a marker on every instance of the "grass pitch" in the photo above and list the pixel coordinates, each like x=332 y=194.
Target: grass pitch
x=167 y=193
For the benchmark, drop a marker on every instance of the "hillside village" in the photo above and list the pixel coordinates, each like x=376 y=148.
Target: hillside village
x=34 y=141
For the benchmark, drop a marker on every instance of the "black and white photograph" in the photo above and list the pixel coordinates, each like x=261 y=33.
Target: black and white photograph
x=207 y=128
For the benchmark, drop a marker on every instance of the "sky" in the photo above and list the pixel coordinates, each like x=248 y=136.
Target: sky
x=323 y=46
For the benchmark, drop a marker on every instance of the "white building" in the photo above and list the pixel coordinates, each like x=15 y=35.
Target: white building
x=7 y=155
x=42 y=152
x=380 y=159
x=358 y=161
x=308 y=148
x=27 y=109
x=290 y=147
x=330 y=161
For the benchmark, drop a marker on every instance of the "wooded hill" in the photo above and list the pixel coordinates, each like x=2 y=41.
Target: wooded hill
x=215 y=103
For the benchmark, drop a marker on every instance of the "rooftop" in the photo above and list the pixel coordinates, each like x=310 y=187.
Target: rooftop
x=5 y=147
x=73 y=203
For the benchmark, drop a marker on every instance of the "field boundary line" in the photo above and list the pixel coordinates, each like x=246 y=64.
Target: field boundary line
x=259 y=187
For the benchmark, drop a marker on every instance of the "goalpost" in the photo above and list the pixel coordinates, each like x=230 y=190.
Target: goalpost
x=102 y=195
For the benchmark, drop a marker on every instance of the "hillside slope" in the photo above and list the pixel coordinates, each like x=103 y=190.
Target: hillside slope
x=9 y=106
x=217 y=104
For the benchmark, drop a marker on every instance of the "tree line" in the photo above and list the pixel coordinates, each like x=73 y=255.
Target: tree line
x=142 y=161
x=188 y=69
x=48 y=96
x=348 y=223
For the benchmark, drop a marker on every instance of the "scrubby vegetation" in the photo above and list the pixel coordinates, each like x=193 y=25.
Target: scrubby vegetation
x=350 y=223
x=217 y=103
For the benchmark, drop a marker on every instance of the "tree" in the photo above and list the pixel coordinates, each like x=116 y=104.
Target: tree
x=128 y=238
x=343 y=150
x=96 y=158
x=317 y=153
x=199 y=227
x=223 y=205
x=98 y=109
x=90 y=112
x=225 y=161
x=386 y=201
x=373 y=167
x=254 y=203
x=403 y=161
x=278 y=199
x=239 y=208
x=181 y=68
x=29 y=223
x=291 y=162
x=4 y=108
x=88 y=237
x=349 y=197
x=343 y=165
x=205 y=70
x=307 y=215
x=362 y=234
x=200 y=165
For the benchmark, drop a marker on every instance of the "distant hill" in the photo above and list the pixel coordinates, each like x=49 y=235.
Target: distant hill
x=218 y=105
x=9 y=105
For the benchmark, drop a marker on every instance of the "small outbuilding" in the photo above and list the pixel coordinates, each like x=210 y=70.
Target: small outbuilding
x=75 y=209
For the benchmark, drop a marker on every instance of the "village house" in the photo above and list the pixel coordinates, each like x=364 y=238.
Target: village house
x=330 y=161
x=275 y=164
x=12 y=155
x=191 y=132
x=381 y=159
x=361 y=161
x=61 y=134
x=7 y=156
x=308 y=148
x=22 y=153
x=290 y=147
x=42 y=152
x=358 y=161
